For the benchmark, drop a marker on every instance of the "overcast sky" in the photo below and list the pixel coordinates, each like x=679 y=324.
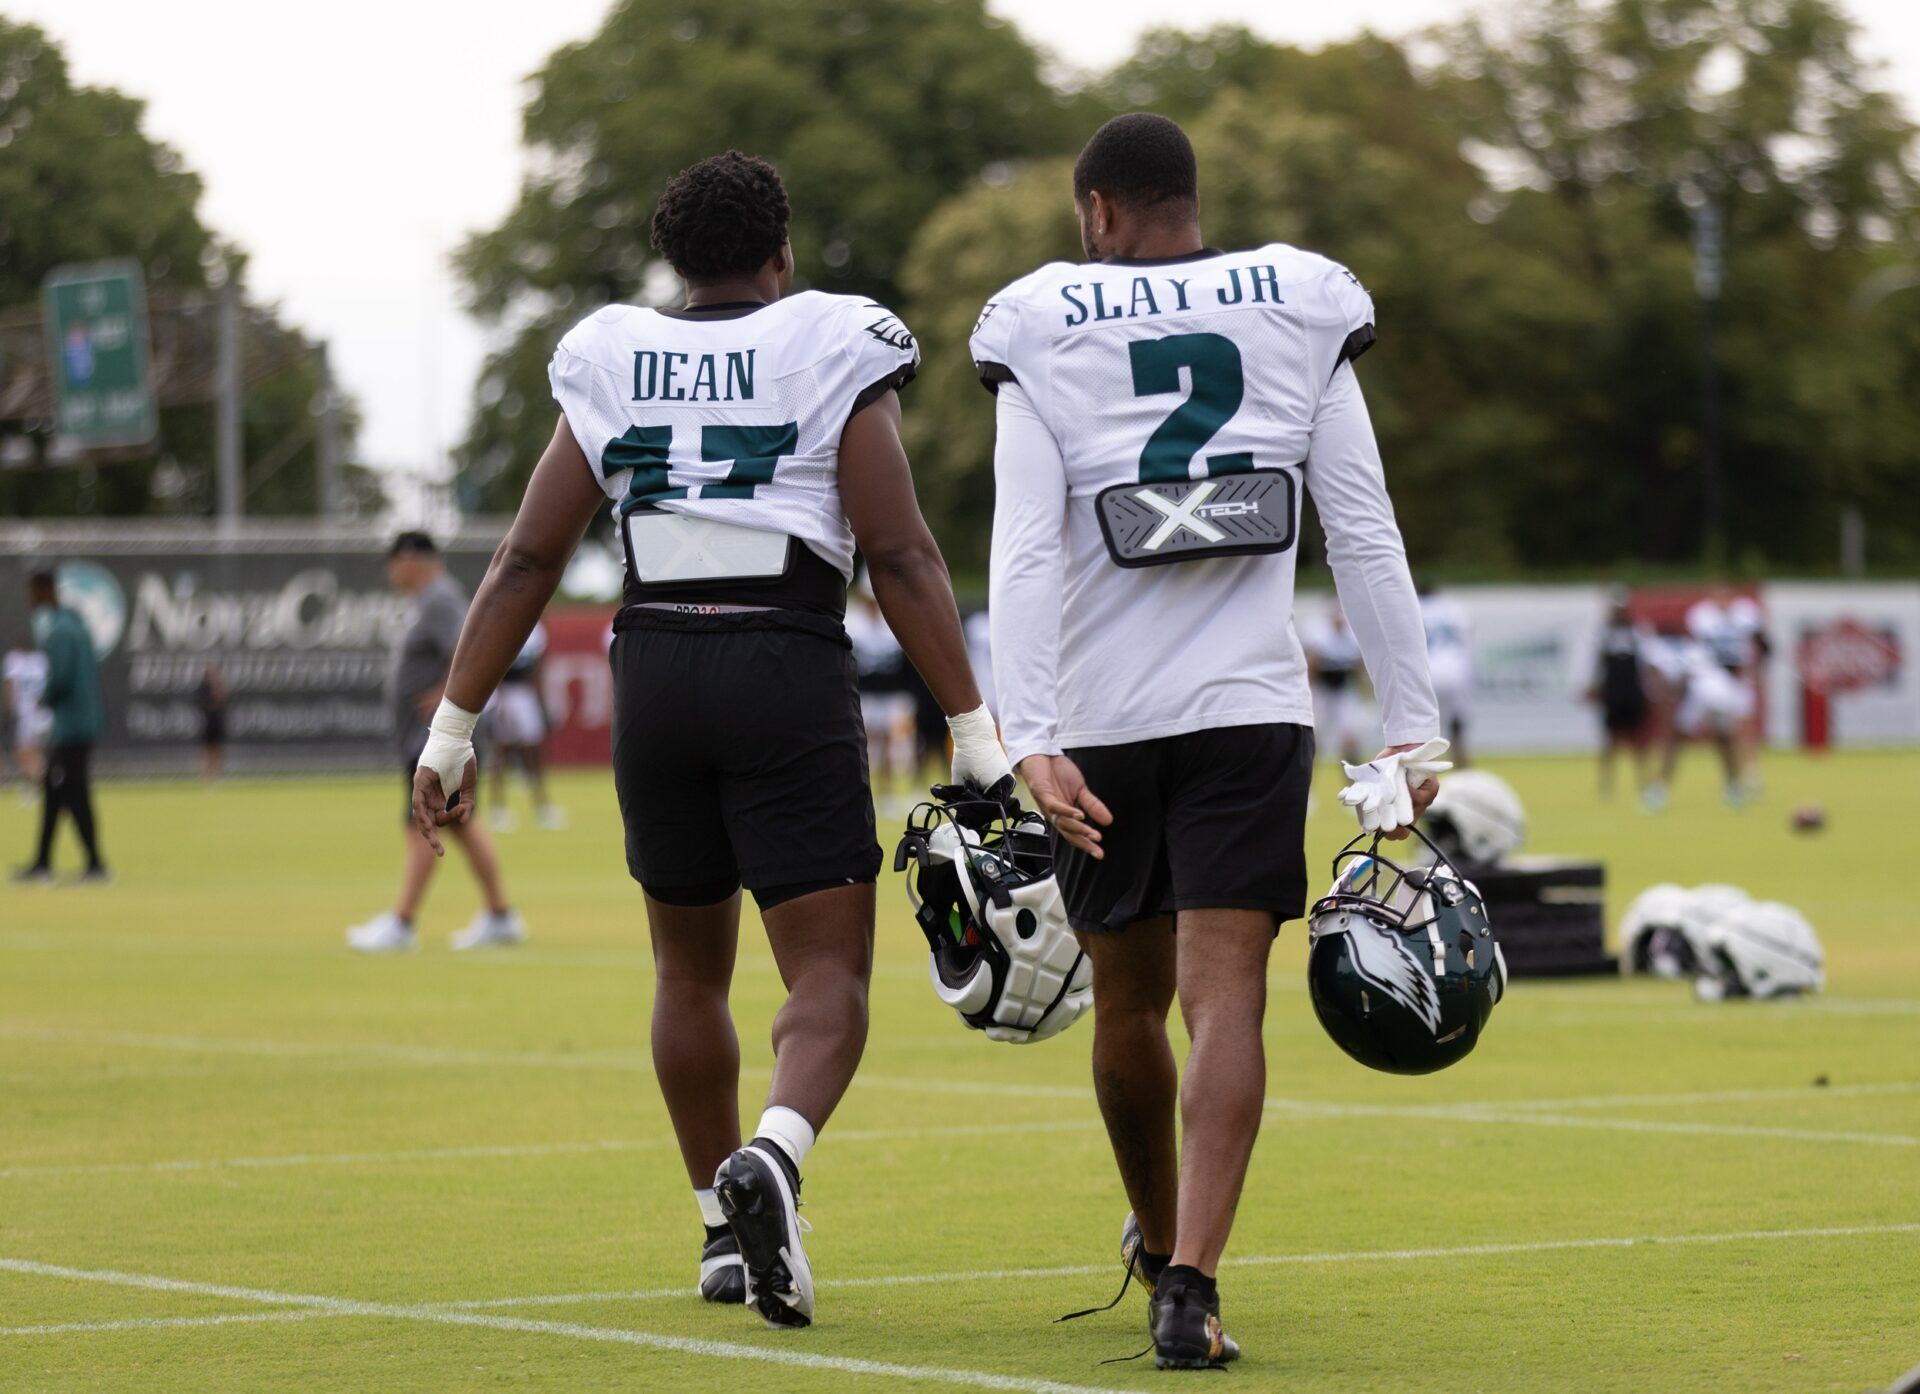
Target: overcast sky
x=349 y=147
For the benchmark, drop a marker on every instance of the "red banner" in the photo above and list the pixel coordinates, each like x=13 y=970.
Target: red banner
x=576 y=684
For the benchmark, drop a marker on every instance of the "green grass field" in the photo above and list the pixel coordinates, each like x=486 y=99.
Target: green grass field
x=235 y=1157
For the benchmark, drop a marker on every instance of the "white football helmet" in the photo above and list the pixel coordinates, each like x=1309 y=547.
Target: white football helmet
x=1664 y=931
x=1761 y=948
x=1000 y=950
x=1476 y=818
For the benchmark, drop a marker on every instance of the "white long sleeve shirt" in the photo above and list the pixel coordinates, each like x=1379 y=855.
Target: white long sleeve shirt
x=1088 y=653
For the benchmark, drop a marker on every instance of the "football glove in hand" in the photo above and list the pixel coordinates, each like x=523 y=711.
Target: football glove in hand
x=449 y=747
x=1381 y=795
x=978 y=757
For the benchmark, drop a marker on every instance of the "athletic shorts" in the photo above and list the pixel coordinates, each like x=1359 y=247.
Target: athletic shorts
x=516 y=715
x=1624 y=713
x=738 y=752
x=1208 y=820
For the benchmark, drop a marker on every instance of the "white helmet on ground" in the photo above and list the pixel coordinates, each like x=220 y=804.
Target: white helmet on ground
x=1476 y=818
x=1664 y=931
x=1000 y=950
x=1761 y=948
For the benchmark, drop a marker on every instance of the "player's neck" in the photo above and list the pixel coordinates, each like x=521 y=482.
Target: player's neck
x=1156 y=242
x=735 y=290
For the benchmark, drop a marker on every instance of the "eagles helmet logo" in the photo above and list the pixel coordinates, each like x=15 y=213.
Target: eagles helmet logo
x=1383 y=960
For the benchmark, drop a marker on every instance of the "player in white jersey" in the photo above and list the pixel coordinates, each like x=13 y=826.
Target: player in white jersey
x=24 y=677
x=1333 y=676
x=1450 y=661
x=1166 y=403
x=747 y=442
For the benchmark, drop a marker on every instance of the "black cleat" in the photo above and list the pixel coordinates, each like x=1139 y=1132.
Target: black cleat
x=1185 y=1324
x=723 y=1274
x=761 y=1199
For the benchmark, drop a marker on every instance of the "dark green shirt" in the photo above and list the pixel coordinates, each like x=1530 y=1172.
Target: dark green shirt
x=73 y=679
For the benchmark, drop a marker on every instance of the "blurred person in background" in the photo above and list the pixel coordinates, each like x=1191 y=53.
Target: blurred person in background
x=1450 y=662
x=416 y=676
x=1621 y=678
x=514 y=727
x=1730 y=628
x=211 y=697
x=1333 y=673
x=1710 y=704
x=24 y=723
x=72 y=697
x=887 y=705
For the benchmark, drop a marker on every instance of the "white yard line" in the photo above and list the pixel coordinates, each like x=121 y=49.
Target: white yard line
x=64 y=1328
x=681 y=1345
x=991 y=1275
x=591 y=1147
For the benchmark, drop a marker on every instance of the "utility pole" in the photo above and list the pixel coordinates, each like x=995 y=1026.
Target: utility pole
x=229 y=467
x=1708 y=244
x=327 y=447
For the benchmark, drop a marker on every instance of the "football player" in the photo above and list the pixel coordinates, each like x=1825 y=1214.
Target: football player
x=748 y=440
x=1165 y=403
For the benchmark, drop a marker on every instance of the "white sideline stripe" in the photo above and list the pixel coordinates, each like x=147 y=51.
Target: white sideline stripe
x=719 y=1350
x=508 y=1150
x=1076 y=1270
x=1714 y=1096
x=62 y=1328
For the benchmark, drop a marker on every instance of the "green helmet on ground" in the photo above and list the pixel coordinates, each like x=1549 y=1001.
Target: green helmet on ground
x=1403 y=969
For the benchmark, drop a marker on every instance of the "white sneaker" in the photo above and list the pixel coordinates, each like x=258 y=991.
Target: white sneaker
x=385 y=933
x=551 y=817
x=487 y=930
x=500 y=818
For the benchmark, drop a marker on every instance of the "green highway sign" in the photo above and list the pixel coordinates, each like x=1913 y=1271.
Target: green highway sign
x=96 y=318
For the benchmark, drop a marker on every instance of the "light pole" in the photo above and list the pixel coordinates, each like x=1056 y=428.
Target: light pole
x=1708 y=268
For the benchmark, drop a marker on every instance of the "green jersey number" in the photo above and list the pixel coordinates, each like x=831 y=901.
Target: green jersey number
x=1218 y=387
x=754 y=450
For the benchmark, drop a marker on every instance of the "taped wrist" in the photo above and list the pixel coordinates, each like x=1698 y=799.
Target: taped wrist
x=974 y=730
x=456 y=723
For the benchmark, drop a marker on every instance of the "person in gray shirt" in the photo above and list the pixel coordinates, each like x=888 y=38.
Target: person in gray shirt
x=416 y=673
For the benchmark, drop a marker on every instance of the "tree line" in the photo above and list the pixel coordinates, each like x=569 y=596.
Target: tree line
x=1521 y=192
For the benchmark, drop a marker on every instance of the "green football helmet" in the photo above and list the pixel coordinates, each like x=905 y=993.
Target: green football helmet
x=1403 y=968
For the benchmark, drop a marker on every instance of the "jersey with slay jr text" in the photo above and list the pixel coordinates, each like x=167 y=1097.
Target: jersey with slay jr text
x=1191 y=368
x=733 y=415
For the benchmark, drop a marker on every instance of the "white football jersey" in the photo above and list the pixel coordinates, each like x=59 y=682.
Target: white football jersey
x=1192 y=368
x=733 y=415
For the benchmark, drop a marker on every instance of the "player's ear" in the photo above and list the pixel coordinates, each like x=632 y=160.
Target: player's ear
x=783 y=266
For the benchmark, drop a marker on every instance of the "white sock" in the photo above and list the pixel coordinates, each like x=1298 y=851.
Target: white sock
x=709 y=1203
x=790 y=1130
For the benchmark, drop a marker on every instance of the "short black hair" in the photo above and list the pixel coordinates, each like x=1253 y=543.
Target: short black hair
x=412 y=543
x=1141 y=160
x=725 y=216
x=43 y=579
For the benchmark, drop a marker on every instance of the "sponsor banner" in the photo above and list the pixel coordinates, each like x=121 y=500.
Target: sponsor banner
x=1846 y=667
x=301 y=635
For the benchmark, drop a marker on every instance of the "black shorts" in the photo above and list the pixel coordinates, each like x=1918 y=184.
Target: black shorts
x=1623 y=713
x=738 y=752
x=1209 y=820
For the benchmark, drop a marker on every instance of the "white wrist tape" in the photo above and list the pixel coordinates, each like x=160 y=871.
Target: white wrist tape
x=977 y=753
x=449 y=745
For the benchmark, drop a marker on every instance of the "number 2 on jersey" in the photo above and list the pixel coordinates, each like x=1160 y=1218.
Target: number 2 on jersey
x=1218 y=387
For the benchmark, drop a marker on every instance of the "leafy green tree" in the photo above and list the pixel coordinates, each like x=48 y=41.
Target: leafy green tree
x=874 y=111
x=80 y=181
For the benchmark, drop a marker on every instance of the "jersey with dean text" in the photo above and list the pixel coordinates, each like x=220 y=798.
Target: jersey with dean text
x=733 y=415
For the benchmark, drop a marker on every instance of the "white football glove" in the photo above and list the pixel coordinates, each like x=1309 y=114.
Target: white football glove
x=978 y=755
x=1381 y=795
x=449 y=746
